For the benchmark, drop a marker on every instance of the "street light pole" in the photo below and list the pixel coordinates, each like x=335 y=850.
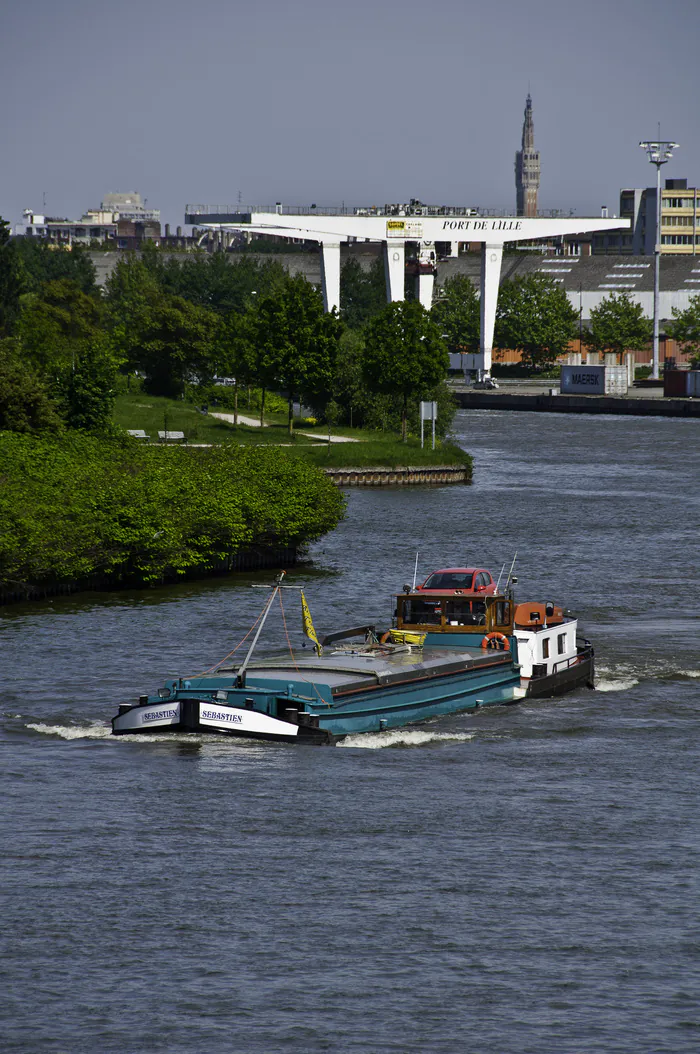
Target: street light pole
x=658 y=153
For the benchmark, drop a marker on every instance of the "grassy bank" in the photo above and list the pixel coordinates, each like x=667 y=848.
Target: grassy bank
x=373 y=449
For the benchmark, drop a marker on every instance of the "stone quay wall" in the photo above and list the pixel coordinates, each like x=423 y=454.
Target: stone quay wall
x=383 y=476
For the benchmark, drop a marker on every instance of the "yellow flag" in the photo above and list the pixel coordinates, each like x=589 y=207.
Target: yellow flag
x=308 y=625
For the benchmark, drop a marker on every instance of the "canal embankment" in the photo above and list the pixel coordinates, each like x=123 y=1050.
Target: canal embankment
x=538 y=398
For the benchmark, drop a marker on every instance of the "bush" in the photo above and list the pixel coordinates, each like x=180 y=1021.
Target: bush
x=76 y=507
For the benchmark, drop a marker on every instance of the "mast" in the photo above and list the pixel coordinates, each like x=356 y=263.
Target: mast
x=266 y=612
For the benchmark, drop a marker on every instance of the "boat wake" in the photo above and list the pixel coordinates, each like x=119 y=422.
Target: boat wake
x=95 y=731
x=98 y=731
x=402 y=737
x=612 y=681
x=621 y=678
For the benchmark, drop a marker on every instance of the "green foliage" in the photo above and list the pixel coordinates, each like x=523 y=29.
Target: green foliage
x=25 y=403
x=362 y=293
x=167 y=337
x=48 y=263
x=175 y=340
x=618 y=325
x=534 y=316
x=53 y=322
x=361 y=406
x=685 y=328
x=214 y=280
x=13 y=280
x=457 y=314
x=78 y=507
x=295 y=340
x=85 y=390
x=404 y=354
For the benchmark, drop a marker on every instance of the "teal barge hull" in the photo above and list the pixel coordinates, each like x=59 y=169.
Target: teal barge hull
x=351 y=690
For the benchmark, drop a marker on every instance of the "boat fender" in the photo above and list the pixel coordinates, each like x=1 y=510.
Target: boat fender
x=385 y=637
x=496 y=641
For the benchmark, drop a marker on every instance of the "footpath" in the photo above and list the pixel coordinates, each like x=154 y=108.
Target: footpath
x=254 y=422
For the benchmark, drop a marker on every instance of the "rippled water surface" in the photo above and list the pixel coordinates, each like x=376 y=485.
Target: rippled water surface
x=523 y=879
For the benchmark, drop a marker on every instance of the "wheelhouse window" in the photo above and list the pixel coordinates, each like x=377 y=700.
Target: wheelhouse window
x=561 y=643
x=545 y=648
x=420 y=612
x=502 y=613
x=465 y=613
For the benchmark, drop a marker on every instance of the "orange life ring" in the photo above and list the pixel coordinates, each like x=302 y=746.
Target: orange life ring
x=496 y=641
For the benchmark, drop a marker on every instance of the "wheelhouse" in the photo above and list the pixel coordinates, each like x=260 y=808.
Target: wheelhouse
x=454 y=614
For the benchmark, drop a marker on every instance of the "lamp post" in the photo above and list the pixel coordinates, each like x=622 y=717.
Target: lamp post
x=659 y=153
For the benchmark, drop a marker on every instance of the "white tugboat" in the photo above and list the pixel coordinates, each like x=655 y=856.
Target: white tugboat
x=553 y=659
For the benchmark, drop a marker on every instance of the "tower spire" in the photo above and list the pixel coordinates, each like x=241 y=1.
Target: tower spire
x=527 y=166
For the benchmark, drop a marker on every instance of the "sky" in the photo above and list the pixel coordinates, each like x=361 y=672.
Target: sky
x=362 y=102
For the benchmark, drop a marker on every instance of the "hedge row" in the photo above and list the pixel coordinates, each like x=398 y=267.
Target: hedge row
x=77 y=507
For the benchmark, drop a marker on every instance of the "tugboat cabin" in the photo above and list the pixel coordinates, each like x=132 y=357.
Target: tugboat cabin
x=452 y=616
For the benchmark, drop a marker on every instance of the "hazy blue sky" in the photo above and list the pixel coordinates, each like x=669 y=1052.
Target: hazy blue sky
x=322 y=101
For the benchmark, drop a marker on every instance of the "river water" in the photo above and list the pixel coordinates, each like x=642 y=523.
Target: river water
x=522 y=879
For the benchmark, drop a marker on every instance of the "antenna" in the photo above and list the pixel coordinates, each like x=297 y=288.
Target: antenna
x=510 y=573
x=500 y=577
x=415 y=571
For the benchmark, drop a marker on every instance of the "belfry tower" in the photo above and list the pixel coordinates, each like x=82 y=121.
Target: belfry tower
x=527 y=167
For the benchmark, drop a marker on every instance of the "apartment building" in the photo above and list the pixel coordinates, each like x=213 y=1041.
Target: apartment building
x=680 y=222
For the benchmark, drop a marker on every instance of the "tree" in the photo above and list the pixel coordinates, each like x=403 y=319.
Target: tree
x=25 y=403
x=296 y=340
x=54 y=321
x=213 y=281
x=618 y=325
x=535 y=317
x=457 y=313
x=404 y=354
x=12 y=280
x=170 y=341
x=48 y=263
x=235 y=353
x=362 y=293
x=167 y=337
x=685 y=328
x=85 y=390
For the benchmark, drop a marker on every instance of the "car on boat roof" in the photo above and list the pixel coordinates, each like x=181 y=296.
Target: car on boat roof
x=459 y=580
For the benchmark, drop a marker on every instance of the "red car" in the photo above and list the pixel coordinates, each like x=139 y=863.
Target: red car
x=459 y=580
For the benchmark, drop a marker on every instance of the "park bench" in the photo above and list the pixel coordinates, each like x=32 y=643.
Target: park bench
x=172 y=437
x=138 y=433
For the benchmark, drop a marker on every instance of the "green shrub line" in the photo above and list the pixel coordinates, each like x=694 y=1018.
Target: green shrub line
x=77 y=507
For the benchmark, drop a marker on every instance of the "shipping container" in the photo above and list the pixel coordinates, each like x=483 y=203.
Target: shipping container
x=694 y=383
x=594 y=380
